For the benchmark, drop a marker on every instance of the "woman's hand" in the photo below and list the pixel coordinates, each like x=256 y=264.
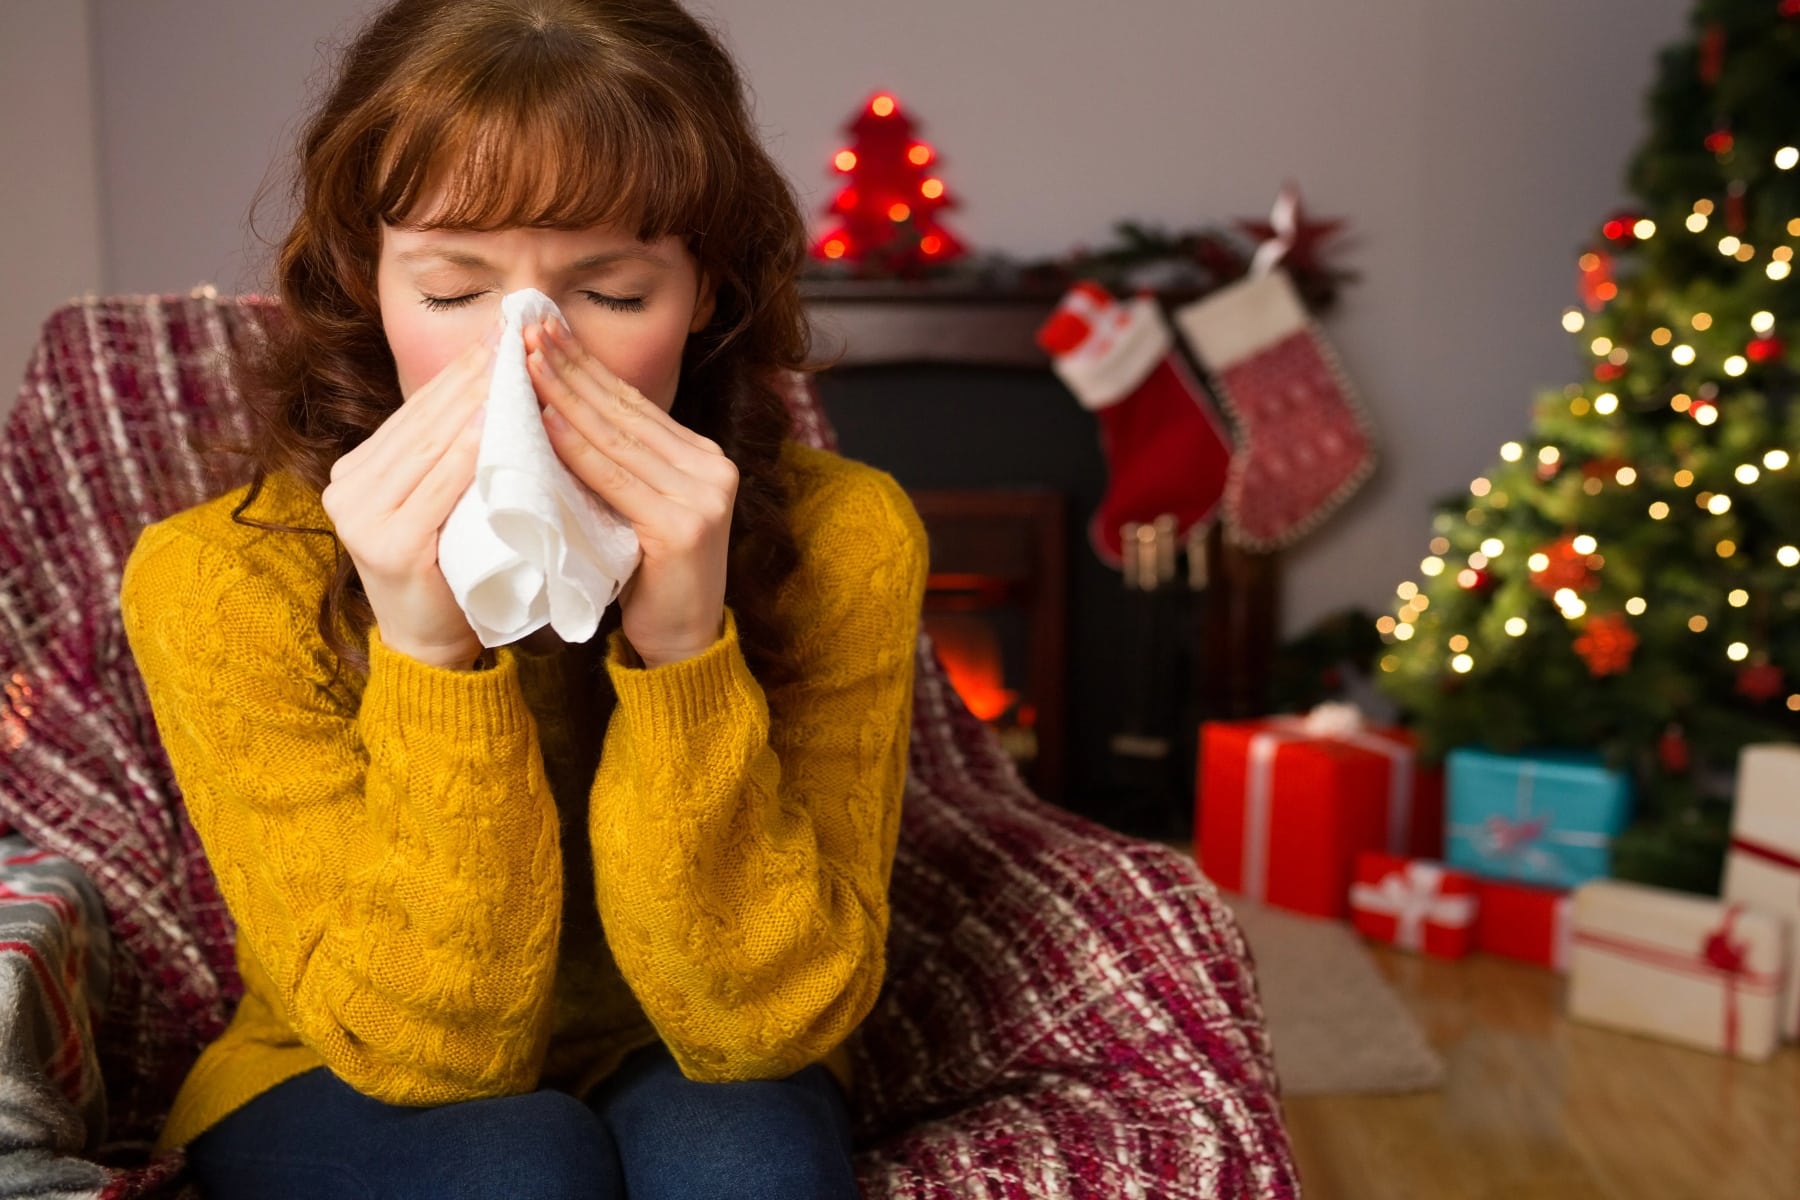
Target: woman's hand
x=390 y=495
x=675 y=487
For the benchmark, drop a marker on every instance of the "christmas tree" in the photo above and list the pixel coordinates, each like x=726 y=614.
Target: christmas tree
x=886 y=215
x=1627 y=579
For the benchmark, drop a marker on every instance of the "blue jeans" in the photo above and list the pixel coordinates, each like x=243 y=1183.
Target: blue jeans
x=647 y=1133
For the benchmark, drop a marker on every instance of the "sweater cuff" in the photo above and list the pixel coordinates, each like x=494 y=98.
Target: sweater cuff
x=668 y=701
x=439 y=700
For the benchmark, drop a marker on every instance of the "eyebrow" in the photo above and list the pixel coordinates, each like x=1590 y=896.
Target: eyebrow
x=462 y=258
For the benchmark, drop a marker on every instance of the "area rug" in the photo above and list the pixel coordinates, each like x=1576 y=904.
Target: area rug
x=1336 y=1024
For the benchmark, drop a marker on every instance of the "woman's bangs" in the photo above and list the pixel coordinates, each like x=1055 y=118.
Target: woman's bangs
x=548 y=166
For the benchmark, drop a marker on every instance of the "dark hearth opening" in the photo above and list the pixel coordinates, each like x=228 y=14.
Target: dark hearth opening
x=940 y=428
x=950 y=394
x=995 y=606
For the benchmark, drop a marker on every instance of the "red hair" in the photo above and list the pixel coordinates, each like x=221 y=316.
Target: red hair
x=560 y=114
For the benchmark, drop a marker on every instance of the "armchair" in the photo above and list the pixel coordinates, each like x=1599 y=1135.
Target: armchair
x=1068 y=1011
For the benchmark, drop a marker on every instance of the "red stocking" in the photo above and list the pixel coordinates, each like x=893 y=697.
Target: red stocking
x=1304 y=440
x=1166 y=449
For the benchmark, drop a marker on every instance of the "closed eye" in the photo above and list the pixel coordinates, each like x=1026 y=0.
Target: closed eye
x=616 y=303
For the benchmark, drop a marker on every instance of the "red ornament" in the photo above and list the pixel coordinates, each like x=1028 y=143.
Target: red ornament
x=1622 y=226
x=1761 y=682
x=1607 y=372
x=1475 y=579
x=1567 y=568
x=1606 y=644
x=1287 y=236
x=1712 y=53
x=1602 y=468
x=1672 y=750
x=1790 y=8
x=1695 y=408
x=1763 y=349
x=1719 y=141
x=1597 y=286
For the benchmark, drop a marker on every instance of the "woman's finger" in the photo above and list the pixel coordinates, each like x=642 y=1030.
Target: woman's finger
x=445 y=398
x=631 y=405
x=396 y=463
x=635 y=500
x=425 y=509
x=572 y=397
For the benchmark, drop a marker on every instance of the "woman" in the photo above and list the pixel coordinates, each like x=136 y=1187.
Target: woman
x=546 y=920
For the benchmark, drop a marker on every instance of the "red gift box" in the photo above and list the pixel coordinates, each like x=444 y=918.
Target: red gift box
x=1524 y=922
x=1284 y=805
x=1414 y=904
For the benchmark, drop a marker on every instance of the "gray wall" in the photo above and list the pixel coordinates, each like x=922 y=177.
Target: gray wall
x=1471 y=146
x=50 y=240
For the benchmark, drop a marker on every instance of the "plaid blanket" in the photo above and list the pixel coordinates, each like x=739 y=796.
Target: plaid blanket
x=54 y=974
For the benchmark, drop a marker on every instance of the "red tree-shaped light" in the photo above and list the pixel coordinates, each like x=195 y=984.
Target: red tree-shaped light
x=886 y=214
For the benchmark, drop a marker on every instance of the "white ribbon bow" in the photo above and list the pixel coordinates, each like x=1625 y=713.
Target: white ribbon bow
x=1412 y=897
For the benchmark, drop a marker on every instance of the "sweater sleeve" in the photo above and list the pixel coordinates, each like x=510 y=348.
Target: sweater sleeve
x=392 y=863
x=743 y=844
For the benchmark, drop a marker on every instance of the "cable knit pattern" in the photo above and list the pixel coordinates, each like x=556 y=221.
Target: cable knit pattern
x=394 y=859
x=742 y=858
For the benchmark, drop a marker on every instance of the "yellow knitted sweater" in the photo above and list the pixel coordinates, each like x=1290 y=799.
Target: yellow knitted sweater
x=458 y=884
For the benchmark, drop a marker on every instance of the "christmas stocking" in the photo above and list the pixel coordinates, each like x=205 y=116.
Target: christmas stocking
x=1166 y=449
x=1304 y=443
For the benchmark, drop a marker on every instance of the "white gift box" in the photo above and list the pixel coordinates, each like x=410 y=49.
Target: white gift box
x=1762 y=869
x=1684 y=968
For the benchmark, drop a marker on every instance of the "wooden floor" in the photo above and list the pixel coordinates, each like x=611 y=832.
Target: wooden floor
x=1537 y=1106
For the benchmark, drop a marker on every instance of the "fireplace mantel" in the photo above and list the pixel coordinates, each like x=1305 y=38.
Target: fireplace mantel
x=888 y=322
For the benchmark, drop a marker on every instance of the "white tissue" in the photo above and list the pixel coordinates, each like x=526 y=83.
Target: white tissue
x=528 y=544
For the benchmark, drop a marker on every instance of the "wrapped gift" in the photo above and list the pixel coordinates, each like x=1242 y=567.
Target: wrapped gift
x=1546 y=818
x=1286 y=804
x=1414 y=904
x=1684 y=968
x=1762 y=869
x=1517 y=920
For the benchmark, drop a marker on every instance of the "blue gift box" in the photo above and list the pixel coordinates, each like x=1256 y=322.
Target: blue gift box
x=1546 y=818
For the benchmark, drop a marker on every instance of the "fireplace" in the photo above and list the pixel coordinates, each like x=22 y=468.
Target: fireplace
x=949 y=393
x=995 y=605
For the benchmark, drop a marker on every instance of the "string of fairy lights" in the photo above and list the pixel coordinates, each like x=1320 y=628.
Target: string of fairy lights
x=1701 y=407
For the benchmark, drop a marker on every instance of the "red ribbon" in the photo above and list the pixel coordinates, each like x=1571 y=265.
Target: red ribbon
x=1768 y=854
x=1779 y=857
x=1719 y=955
x=1728 y=957
x=1509 y=835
